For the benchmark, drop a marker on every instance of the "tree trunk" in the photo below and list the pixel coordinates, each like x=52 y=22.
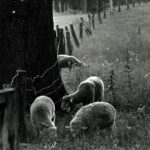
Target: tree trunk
x=28 y=42
x=54 y=5
x=119 y=6
x=85 y=6
x=111 y=6
x=127 y=3
x=60 y=6
x=99 y=11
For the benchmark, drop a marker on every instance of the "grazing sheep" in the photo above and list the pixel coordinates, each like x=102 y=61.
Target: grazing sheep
x=42 y=113
x=88 y=91
x=100 y=115
x=66 y=61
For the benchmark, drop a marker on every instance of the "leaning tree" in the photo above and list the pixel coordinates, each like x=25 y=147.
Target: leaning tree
x=27 y=40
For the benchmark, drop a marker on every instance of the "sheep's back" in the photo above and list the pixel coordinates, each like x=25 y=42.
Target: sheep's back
x=85 y=115
x=99 y=87
x=97 y=113
x=85 y=91
x=105 y=114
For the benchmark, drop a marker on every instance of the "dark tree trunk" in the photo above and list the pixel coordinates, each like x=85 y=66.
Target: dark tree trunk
x=28 y=43
x=119 y=6
x=85 y=6
x=99 y=11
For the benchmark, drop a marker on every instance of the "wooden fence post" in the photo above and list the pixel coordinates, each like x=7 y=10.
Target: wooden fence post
x=119 y=6
x=68 y=42
x=87 y=30
x=57 y=30
x=81 y=30
x=10 y=124
x=19 y=82
x=99 y=11
x=127 y=3
x=74 y=36
x=61 y=47
x=139 y=1
x=93 y=20
x=90 y=21
x=133 y=3
x=104 y=9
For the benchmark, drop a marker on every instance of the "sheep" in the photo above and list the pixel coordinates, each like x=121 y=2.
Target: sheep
x=42 y=114
x=66 y=61
x=88 y=91
x=95 y=115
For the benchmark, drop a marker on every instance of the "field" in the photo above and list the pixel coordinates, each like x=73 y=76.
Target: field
x=118 y=51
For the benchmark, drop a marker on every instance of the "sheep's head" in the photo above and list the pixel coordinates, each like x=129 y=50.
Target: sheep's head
x=67 y=103
x=76 y=128
x=50 y=131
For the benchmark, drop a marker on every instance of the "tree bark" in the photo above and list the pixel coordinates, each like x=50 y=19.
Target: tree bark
x=28 y=43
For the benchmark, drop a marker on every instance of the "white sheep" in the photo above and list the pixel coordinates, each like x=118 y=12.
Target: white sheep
x=67 y=61
x=42 y=113
x=88 y=91
x=100 y=115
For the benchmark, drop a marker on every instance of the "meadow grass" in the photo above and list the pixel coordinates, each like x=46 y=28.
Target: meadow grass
x=114 y=45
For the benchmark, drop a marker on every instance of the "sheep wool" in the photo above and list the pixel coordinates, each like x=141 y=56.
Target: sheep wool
x=42 y=113
x=67 y=61
x=97 y=114
x=88 y=91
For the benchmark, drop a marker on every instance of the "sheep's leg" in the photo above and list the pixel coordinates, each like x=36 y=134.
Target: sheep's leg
x=70 y=65
x=111 y=132
x=74 y=110
x=54 y=119
x=38 y=133
x=93 y=93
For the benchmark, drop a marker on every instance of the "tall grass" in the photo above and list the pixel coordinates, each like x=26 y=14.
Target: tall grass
x=120 y=56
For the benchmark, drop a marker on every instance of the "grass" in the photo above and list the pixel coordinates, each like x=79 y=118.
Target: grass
x=112 y=46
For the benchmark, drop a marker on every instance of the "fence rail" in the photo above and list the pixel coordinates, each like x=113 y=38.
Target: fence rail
x=73 y=32
x=12 y=121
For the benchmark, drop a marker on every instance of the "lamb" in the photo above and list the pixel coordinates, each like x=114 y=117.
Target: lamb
x=42 y=114
x=100 y=115
x=88 y=91
x=66 y=61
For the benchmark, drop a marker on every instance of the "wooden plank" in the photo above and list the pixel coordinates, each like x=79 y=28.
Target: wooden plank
x=90 y=21
x=87 y=30
x=81 y=30
x=93 y=20
x=10 y=123
x=74 y=36
x=68 y=42
x=57 y=30
x=6 y=91
x=19 y=82
x=61 y=47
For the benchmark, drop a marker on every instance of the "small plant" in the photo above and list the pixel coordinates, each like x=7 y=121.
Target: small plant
x=111 y=87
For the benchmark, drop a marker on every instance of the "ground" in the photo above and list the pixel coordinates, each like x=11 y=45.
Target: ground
x=120 y=44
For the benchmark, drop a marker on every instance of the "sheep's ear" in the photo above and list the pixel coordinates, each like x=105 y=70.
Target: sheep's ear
x=84 y=128
x=54 y=128
x=71 y=100
x=67 y=127
x=44 y=124
x=68 y=109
